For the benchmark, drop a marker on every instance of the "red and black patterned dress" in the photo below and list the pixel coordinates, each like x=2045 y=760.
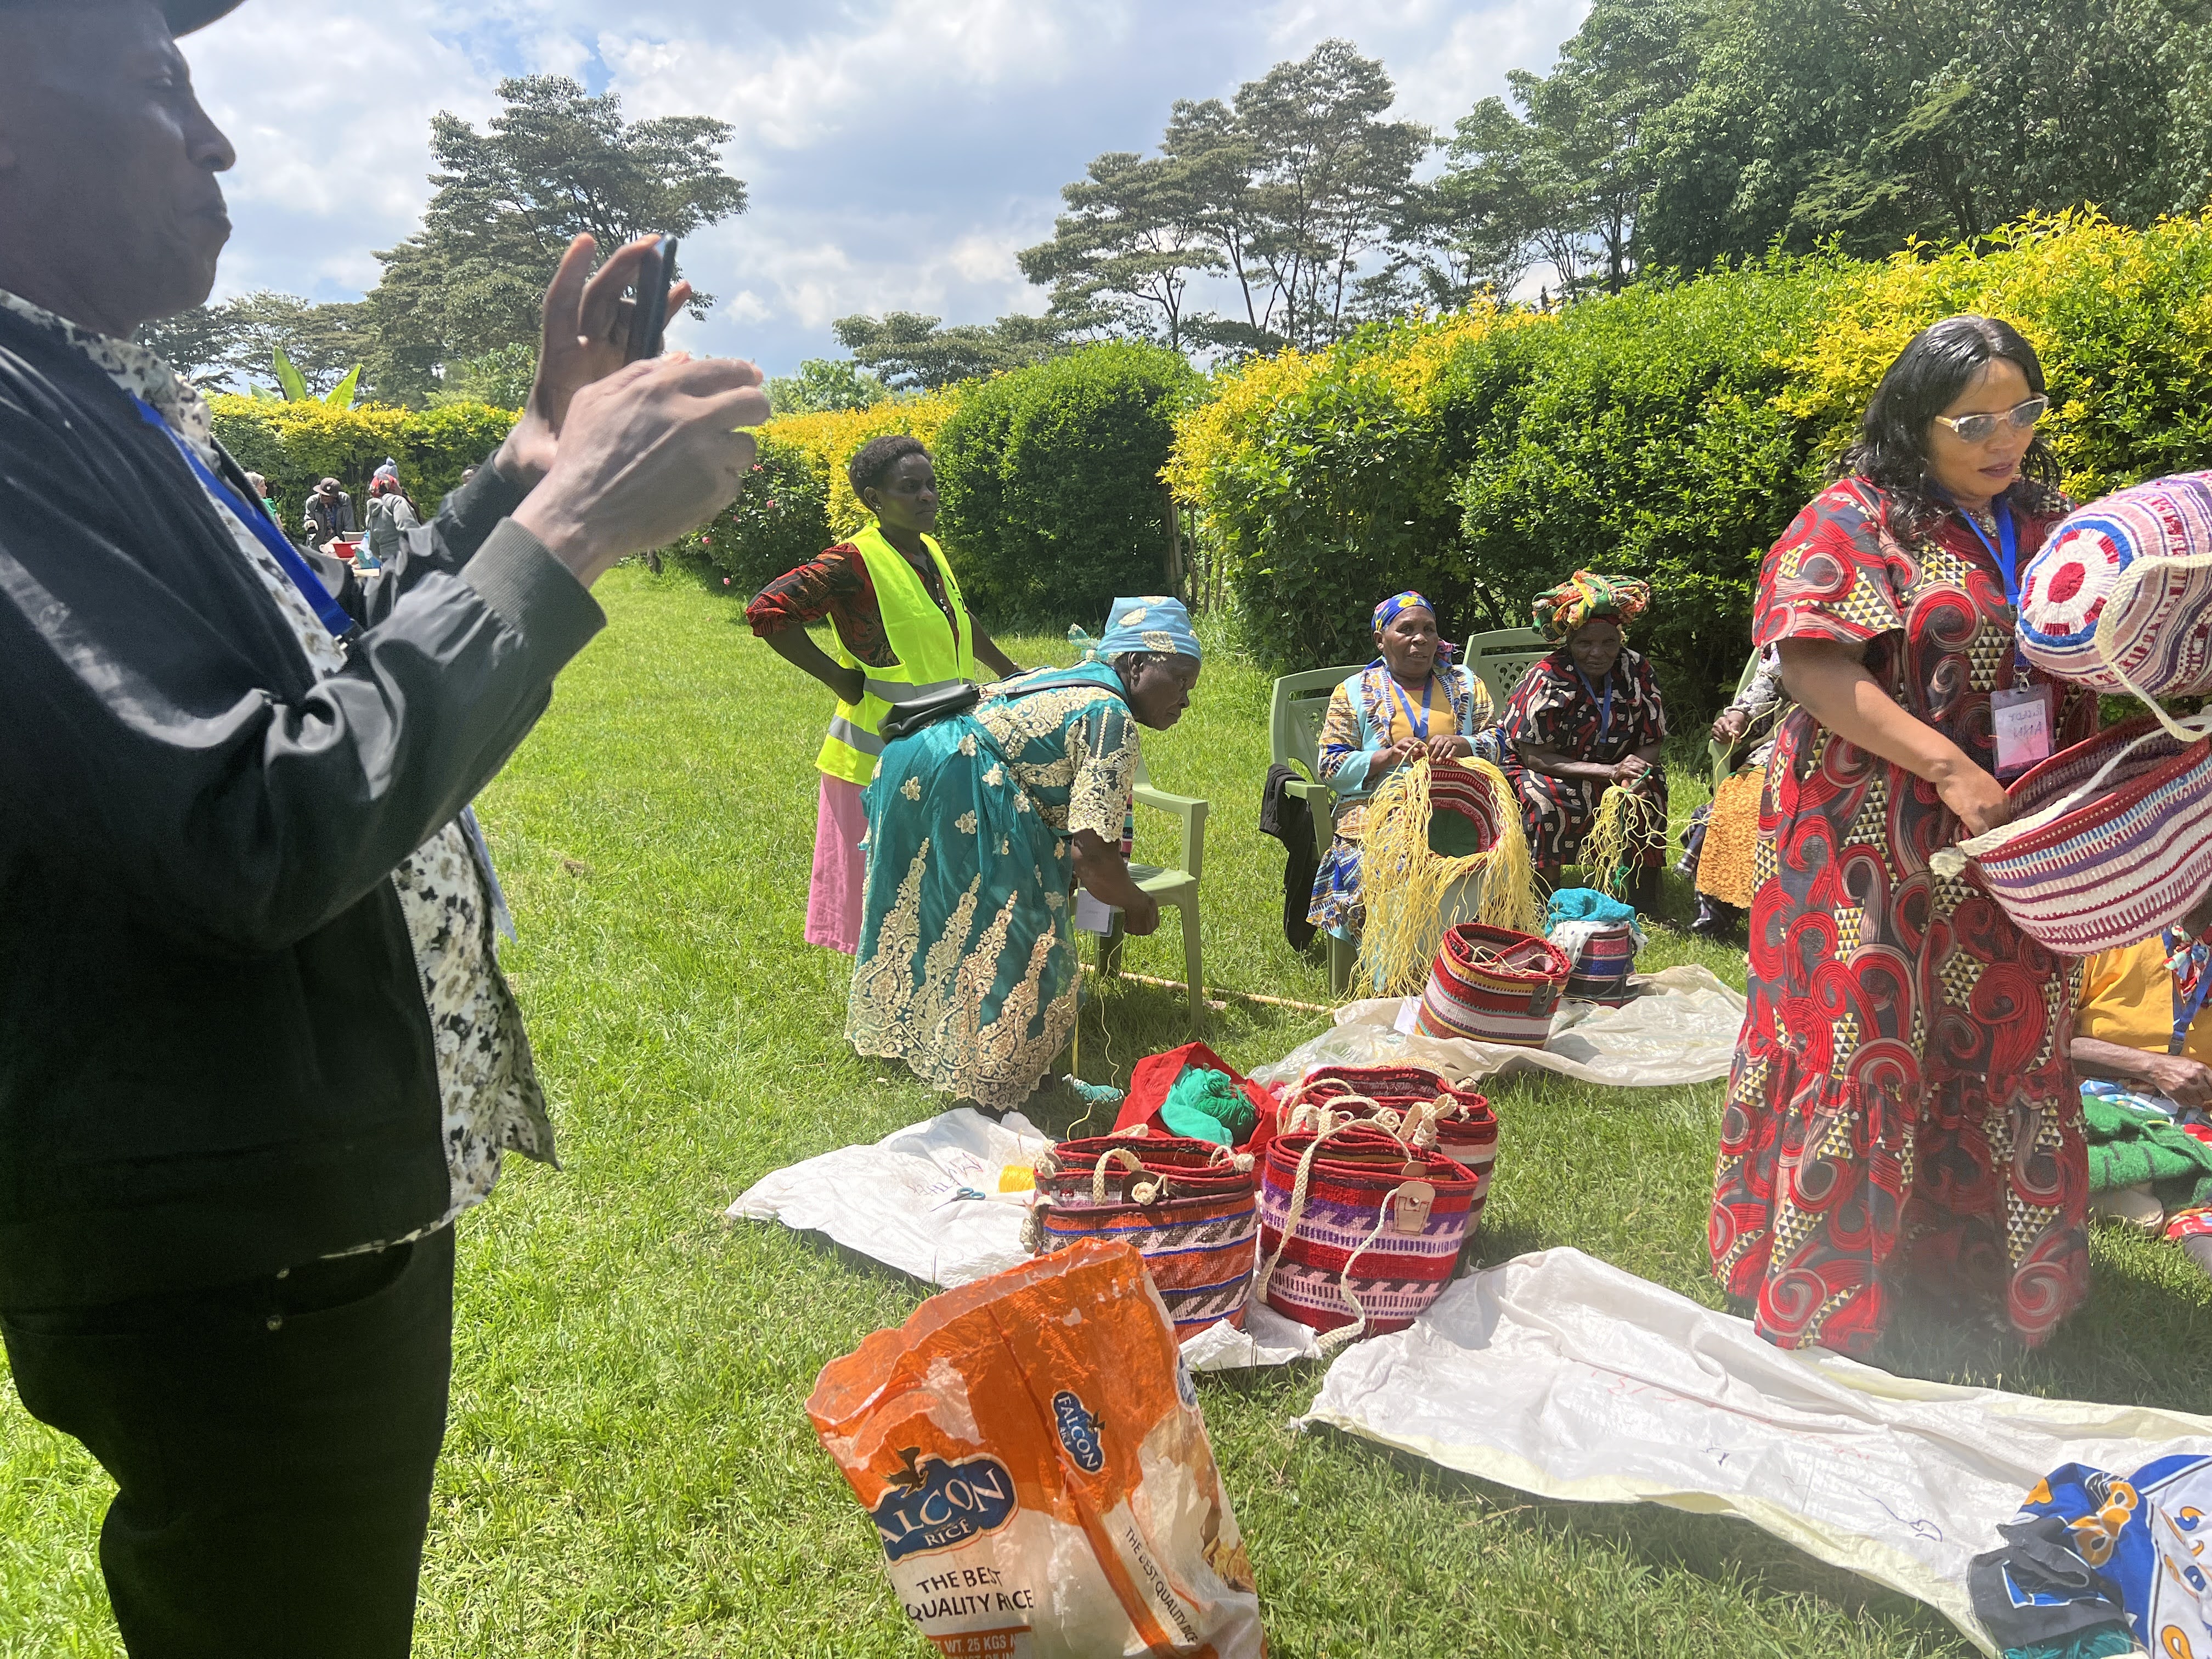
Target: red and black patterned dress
x=1901 y=1118
x=1554 y=708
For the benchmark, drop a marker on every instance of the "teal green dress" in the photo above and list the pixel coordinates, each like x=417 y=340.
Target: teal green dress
x=966 y=965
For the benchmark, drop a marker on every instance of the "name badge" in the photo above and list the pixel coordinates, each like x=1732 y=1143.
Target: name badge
x=2023 y=720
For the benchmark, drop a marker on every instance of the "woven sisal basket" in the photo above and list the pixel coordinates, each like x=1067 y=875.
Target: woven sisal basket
x=2112 y=841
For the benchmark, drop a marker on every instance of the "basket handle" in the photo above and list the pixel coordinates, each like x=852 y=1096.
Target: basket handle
x=1137 y=1192
x=2130 y=583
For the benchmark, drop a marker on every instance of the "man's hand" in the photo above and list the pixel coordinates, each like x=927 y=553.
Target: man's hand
x=647 y=454
x=1732 y=724
x=1630 y=770
x=585 y=339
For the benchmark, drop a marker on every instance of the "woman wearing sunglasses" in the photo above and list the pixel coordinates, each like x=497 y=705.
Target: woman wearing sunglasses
x=1902 y=1139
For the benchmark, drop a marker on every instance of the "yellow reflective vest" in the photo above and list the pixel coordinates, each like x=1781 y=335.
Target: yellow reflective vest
x=932 y=655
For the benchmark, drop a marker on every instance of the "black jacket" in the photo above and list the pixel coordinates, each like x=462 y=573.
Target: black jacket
x=214 y=1057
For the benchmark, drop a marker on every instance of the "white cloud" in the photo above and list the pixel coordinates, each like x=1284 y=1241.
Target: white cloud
x=898 y=153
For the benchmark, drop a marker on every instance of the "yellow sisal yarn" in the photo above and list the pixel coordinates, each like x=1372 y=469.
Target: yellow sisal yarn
x=1627 y=821
x=1404 y=882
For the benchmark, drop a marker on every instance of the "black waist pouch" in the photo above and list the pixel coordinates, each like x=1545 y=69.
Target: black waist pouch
x=907 y=717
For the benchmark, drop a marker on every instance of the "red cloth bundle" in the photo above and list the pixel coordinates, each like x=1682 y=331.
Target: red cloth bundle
x=1185 y=1206
x=1151 y=1078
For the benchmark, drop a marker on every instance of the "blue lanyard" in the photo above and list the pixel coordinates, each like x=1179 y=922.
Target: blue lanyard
x=1421 y=722
x=2192 y=983
x=1605 y=704
x=288 y=559
x=2005 y=550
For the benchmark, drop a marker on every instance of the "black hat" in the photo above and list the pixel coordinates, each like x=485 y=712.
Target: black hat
x=186 y=15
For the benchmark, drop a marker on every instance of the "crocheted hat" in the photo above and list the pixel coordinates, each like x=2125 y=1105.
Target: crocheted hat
x=2120 y=596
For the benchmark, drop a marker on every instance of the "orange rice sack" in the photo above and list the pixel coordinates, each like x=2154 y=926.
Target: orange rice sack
x=1030 y=1451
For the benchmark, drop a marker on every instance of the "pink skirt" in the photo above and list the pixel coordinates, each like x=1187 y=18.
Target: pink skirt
x=840 y=870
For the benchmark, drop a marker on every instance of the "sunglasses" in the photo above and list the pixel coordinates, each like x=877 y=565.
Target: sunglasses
x=1979 y=428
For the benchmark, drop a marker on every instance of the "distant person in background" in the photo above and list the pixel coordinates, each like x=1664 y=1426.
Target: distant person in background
x=1585 y=718
x=390 y=513
x=264 y=496
x=898 y=631
x=1411 y=700
x=330 y=512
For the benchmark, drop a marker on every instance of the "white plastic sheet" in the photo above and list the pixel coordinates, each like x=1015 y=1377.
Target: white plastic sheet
x=1561 y=1376
x=925 y=1201
x=1683 y=1029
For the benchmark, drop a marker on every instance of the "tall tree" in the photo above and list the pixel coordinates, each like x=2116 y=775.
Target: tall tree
x=1127 y=250
x=1282 y=194
x=912 y=352
x=554 y=163
x=232 y=345
x=1332 y=178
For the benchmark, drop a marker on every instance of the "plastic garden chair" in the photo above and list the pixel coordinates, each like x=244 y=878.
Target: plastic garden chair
x=1500 y=661
x=1176 y=885
x=1294 y=718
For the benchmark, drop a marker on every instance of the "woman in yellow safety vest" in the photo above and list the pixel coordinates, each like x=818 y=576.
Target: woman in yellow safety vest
x=898 y=631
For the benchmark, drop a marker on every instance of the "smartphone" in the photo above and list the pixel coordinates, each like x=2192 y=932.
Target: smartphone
x=648 y=321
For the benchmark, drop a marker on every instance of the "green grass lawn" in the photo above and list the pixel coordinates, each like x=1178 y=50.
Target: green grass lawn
x=629 y=1470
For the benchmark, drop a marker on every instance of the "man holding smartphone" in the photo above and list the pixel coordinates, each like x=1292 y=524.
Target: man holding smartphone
x=255 y=1051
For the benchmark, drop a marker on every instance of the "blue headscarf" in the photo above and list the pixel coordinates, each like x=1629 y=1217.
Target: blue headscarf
x=1389 y=612
x=1149 y=624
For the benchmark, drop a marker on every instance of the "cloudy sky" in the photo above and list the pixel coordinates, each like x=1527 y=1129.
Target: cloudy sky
x=898 y=153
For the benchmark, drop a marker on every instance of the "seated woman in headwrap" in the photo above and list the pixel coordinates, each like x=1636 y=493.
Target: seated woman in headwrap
x=980 y=826
x=1411 y=698
x=1585 y=718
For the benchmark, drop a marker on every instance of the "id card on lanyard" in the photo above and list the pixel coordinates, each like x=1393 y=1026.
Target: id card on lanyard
x=2021 y=718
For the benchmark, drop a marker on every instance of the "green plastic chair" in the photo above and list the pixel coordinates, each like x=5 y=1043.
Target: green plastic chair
x=1175 y=884
x=1294 y=717
x=1500 y=661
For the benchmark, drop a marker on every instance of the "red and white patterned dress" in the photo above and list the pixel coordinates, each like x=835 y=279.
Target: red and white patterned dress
x=1901 y=1117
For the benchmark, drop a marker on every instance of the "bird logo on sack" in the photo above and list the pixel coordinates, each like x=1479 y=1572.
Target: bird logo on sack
x=935 y=1505
x=1080 y=1431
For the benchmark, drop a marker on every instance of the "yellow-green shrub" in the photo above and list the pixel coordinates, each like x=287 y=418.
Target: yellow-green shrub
x=293 y=445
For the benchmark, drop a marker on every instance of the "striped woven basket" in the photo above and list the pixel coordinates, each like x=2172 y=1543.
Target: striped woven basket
x=1185 y=1204
x=1466 y=1128
x=1494 y=985
x=1601 y=966
x=2119 y=597
x=1360 y=1232
x=2111 y=842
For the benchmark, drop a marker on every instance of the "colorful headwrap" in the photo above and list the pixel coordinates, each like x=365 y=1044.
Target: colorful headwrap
x=1584 y=596
x=1150 y=623
x=1387 y=613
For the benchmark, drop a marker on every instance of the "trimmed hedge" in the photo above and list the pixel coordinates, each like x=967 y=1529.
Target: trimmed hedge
x=798 y=500
x=1050 y=478
x=296 y=445
x=1669 y=432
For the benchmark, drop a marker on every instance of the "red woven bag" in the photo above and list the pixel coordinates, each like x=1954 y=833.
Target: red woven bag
x=1186 y=1205
x=1400 y=1097
x=1359 y=1232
